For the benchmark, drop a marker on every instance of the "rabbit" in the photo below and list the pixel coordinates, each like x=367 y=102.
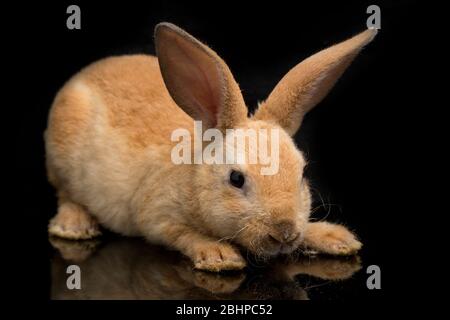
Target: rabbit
x=108 y=154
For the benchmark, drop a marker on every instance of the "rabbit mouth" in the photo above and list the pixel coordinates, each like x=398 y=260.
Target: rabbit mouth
x=270 y=247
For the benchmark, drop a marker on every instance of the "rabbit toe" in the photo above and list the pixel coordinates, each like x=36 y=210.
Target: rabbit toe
x=72 y=222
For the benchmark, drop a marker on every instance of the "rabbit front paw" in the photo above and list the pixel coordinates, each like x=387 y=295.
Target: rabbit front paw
x=217 y=257
x=331 y=239
x=73 y=222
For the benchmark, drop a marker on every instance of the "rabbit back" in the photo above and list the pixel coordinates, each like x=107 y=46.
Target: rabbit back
x=108 y=127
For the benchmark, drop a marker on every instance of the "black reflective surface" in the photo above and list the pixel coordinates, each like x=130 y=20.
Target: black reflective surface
x=130 y=268
x=360 y=141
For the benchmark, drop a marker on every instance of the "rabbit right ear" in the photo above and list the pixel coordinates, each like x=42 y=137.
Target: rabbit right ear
x=305 y=85
x=198 y=80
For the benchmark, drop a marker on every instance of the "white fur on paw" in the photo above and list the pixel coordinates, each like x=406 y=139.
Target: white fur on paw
x=335 y=240
x=74 y=233
x=344 y=245
x=76 y=227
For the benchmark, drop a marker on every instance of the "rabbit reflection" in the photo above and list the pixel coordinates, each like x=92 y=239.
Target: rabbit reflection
x=130 y=268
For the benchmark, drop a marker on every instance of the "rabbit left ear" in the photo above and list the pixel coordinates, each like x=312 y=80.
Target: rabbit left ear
x=307 y=84
x=198 y=80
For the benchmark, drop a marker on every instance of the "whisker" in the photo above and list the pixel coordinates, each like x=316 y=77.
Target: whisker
x=234 y=235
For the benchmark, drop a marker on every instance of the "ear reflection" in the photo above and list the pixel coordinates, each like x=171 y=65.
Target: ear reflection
x=130 y=268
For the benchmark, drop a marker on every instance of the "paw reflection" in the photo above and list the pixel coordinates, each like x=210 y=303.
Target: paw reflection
x=127 y=268
x=75 y=251
x=217 y=283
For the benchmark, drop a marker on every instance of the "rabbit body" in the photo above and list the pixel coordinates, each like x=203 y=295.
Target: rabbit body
x=108 y=132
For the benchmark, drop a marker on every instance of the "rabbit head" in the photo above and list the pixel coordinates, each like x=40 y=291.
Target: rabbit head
x=266 y=214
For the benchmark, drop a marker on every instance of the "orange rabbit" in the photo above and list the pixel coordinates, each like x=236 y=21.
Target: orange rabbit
x=108 y=153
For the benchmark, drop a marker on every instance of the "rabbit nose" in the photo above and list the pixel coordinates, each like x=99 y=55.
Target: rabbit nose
x=285 y=239
x=284 y=232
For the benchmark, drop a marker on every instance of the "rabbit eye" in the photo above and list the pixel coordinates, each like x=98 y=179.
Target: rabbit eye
x=237 y=179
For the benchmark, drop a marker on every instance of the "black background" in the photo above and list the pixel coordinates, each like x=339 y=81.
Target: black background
x=353 y=139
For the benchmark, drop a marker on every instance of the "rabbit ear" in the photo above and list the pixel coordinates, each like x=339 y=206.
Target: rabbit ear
x=198 y=79
x=306 y=84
